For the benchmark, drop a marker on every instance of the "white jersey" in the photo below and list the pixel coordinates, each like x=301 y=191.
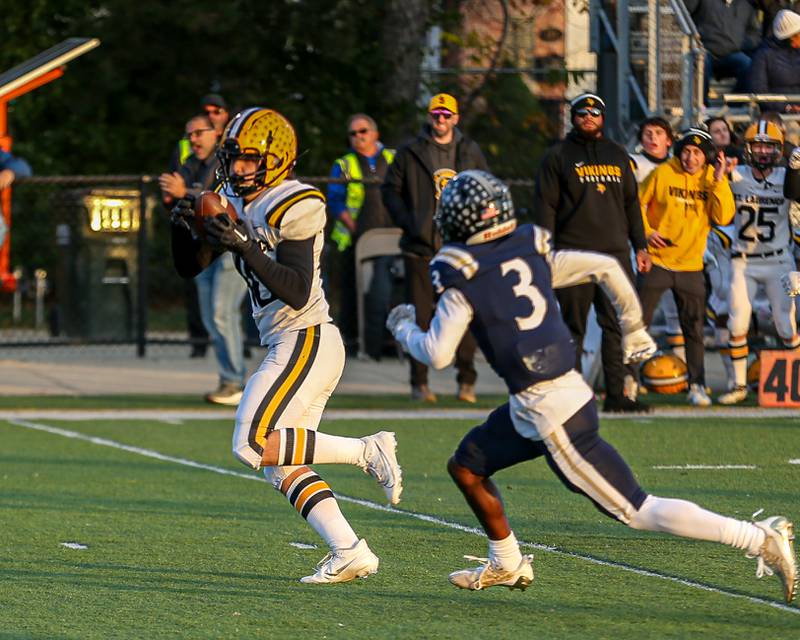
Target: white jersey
x=762 y=212
x=643 y=166
x=290 y=211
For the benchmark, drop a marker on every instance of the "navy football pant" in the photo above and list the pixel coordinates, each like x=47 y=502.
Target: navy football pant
x=583 y=461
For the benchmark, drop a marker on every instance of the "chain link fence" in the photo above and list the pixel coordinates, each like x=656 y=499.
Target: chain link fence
x=92 y=259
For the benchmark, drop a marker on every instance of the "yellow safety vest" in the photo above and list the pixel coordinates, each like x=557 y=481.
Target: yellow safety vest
x=356 y=193
x=184 y=150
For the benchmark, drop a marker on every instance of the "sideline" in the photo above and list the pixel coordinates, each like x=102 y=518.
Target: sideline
x=178 y=415
x=418 y=516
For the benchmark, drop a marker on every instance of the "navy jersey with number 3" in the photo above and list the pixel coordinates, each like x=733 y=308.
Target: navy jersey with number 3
x=516 y=320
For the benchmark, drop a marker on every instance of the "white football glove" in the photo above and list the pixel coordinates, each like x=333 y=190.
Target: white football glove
x=401 y=313
x=794 y=159
x=791 y=283
x=637 y=346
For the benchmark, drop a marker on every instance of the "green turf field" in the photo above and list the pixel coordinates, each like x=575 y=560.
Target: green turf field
x=179 y=549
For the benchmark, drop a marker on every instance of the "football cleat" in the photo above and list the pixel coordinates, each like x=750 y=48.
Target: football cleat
x=488 y=575
x=777 y=554
x=344 y=565
x=380 y=461
x=734 y=396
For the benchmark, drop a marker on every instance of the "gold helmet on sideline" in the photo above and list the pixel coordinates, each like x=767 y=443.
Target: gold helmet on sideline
x=764 y=132
x=259 y=134
x=665 y=373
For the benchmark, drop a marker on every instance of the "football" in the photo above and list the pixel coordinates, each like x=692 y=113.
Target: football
x=210 y=203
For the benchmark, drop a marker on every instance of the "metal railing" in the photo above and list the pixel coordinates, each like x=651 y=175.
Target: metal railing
x=659 y=61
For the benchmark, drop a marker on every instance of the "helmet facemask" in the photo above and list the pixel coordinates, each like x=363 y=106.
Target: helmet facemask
x=763 y=154
x=763 y=145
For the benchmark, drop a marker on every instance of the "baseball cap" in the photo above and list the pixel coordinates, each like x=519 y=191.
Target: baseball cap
x=215 y=100
x=443 y=101
x=587 y=101
x=786 y=24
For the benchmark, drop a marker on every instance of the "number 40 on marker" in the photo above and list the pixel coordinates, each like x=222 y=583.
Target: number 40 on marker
x=779 y=380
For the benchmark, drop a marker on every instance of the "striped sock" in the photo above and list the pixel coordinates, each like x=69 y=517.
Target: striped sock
x=314 y=500
x=739 y=352
x=306 y=446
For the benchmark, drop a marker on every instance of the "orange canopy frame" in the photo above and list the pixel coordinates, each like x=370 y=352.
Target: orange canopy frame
x=24 y=78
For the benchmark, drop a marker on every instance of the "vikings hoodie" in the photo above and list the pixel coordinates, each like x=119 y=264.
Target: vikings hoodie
x=682 y=207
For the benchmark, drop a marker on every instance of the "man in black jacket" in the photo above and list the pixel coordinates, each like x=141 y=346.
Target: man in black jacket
x=586 y=196
x=420 y=170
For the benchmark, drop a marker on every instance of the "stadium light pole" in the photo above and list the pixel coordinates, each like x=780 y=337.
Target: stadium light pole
x=35 y=72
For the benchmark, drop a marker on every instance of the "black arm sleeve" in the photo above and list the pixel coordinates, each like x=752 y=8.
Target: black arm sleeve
x=791 y=186
x=185 y=252
x=289 y=276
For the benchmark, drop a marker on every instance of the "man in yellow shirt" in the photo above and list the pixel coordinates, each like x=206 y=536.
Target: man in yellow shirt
x=680 y=200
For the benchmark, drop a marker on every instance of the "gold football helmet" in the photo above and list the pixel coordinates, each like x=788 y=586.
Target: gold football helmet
x=263 y=136
x=665 y=373
x=766 y=133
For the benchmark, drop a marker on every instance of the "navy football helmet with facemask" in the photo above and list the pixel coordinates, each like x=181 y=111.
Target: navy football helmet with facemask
x=475 y=207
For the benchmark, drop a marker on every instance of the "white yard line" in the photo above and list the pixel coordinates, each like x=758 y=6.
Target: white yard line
x=703 y=467
x=177 y=416
x=411 y=514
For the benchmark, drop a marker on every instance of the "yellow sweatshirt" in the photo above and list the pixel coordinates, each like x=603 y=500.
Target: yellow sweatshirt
x=681 y=207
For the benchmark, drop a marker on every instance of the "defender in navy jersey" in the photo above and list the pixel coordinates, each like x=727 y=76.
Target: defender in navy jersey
x=497 y=279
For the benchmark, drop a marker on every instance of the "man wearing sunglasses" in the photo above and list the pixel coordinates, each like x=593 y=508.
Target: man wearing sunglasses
x=586 y=196
x=216 y=109
x=216 y=294
x=411 y=191
x=357 y=207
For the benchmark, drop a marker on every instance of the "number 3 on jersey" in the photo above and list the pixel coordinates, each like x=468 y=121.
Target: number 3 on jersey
x=526 y=289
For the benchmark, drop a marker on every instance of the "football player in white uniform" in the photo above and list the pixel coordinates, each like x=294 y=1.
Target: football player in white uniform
x=762 y=248
x=496 y=279
x=277 y=241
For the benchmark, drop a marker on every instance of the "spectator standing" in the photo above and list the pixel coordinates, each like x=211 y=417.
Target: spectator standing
x=11 y=168
x=198 y=335
x=413 y=184
x=680 y=200
x=220 y=290
x=655 y=137
x=216 y=109
x=586 y=196
x=356 y=208
x=730 y=32
x=776 y=63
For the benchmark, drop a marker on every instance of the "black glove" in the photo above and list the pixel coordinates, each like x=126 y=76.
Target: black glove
x=182 y=214
x=225 y=234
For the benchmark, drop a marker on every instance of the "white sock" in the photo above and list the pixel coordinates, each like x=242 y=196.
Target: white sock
x=327 y=520
x=686 y=519
x=338 y=449
x=306 y=446
x=505 y=553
